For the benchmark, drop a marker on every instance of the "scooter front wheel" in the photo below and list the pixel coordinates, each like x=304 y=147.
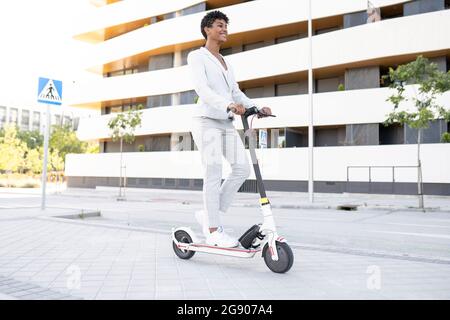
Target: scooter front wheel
x=285 y=258
x=184 y=237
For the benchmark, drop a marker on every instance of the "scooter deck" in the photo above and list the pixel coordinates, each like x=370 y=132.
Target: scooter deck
x=203 y=247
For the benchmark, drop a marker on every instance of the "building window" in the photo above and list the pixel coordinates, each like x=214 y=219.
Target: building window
x=170 y=15
x=329 y=136
x=391 y=12
x=157 y=143
x=422 y=6
x=296 y=137
x=392 y=134
x=159 y=100
x=329 y=84
x=362 y=78
x=287 y=89
x=67 y=121
x=58 y=119
x=122 y=72
x=76 y=121
x=181 y=142
x=194 y=9
x=14 y=116
x=355 y=19
x=226 y=51
x=2 y=116
x=254 y=93
x=162 y=61
x=432 y=134
x=287 y=38
x=25 y=122
x=252 y=46
x=116 y=109
x=188 y=97
x=362 y=134
x=36 y=120
x=326 y=30
x=185 y=53
x=277 y=138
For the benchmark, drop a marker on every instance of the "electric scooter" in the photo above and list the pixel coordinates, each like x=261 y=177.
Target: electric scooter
x=260 y=238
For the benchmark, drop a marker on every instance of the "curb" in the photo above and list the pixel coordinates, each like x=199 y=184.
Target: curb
x=82 y=215
x=357 y=207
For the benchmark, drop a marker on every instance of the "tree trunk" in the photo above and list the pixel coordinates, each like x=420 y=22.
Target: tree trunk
x=419 y=170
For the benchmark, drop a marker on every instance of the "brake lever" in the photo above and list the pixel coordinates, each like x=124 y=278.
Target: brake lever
x=262 y=115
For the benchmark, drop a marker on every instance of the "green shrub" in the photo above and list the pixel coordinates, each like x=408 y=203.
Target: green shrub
x=445 y=137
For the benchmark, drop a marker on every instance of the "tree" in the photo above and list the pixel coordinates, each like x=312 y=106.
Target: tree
x=22 y=151
x=55 y=161
x=33 y=160
x=64 y=140
x=122 y=127
x=12 y=151
x=92 y=147
x=33 y=139
x=426 y=82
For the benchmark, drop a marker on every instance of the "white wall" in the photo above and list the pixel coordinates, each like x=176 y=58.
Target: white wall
x=132 y=10
x=331 y=108
x=126 y=11
x=406 y=35
x=330 y=163
x=270 y=13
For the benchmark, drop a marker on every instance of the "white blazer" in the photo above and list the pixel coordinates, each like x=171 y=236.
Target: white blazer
x=215 y=86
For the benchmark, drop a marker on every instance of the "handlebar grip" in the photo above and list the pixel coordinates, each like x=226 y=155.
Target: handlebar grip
x=254 y=110
x=250 y=111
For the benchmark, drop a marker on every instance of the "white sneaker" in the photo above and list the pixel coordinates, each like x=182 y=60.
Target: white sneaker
x=221 y=239
x=202 y=220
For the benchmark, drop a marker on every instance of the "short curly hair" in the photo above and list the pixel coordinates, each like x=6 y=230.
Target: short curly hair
x=209 y=19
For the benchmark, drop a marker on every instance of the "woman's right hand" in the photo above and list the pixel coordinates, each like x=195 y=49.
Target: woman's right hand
x=238 y=109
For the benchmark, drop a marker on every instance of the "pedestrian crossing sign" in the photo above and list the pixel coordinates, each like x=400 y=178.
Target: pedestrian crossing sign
x=50 y=91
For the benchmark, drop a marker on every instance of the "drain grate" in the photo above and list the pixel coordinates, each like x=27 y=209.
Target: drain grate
x=347 y=207
x=28 y=291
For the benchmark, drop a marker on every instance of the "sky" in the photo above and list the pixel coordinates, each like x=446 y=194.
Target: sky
x=36 y=41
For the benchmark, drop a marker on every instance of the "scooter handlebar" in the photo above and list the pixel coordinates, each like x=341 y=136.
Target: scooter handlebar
x=254 y=110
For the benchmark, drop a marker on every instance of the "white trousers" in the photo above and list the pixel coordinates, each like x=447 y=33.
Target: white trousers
x=216 y=139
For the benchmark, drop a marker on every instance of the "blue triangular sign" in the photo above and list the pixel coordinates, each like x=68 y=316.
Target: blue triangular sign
x=50 y=91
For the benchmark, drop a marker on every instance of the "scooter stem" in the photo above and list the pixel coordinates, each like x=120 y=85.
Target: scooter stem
x=259 y=181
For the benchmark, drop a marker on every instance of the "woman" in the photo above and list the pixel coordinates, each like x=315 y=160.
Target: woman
x=214 y=134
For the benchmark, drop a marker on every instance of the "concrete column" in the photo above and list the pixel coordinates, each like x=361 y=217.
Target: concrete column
x=176 y=97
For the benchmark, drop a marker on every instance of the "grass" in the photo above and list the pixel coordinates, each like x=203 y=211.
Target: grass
x=16 y=180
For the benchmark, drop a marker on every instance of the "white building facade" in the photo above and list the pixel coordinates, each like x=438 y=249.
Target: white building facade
x=140 y=48
x=33 y=117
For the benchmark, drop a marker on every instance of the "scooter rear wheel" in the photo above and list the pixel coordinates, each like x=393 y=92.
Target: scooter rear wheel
x=285 y=258
x=184 y=237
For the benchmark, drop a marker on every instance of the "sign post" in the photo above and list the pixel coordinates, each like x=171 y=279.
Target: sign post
x=49 y=93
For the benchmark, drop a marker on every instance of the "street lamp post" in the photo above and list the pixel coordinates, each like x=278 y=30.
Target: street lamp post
x=310 y=103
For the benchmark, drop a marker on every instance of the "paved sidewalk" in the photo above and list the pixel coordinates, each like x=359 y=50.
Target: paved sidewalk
x=76 y=260
x=287 y=200
x=6 y=297
x=126 y=253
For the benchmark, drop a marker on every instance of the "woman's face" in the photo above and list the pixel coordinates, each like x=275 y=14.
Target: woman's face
x=218 y=31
